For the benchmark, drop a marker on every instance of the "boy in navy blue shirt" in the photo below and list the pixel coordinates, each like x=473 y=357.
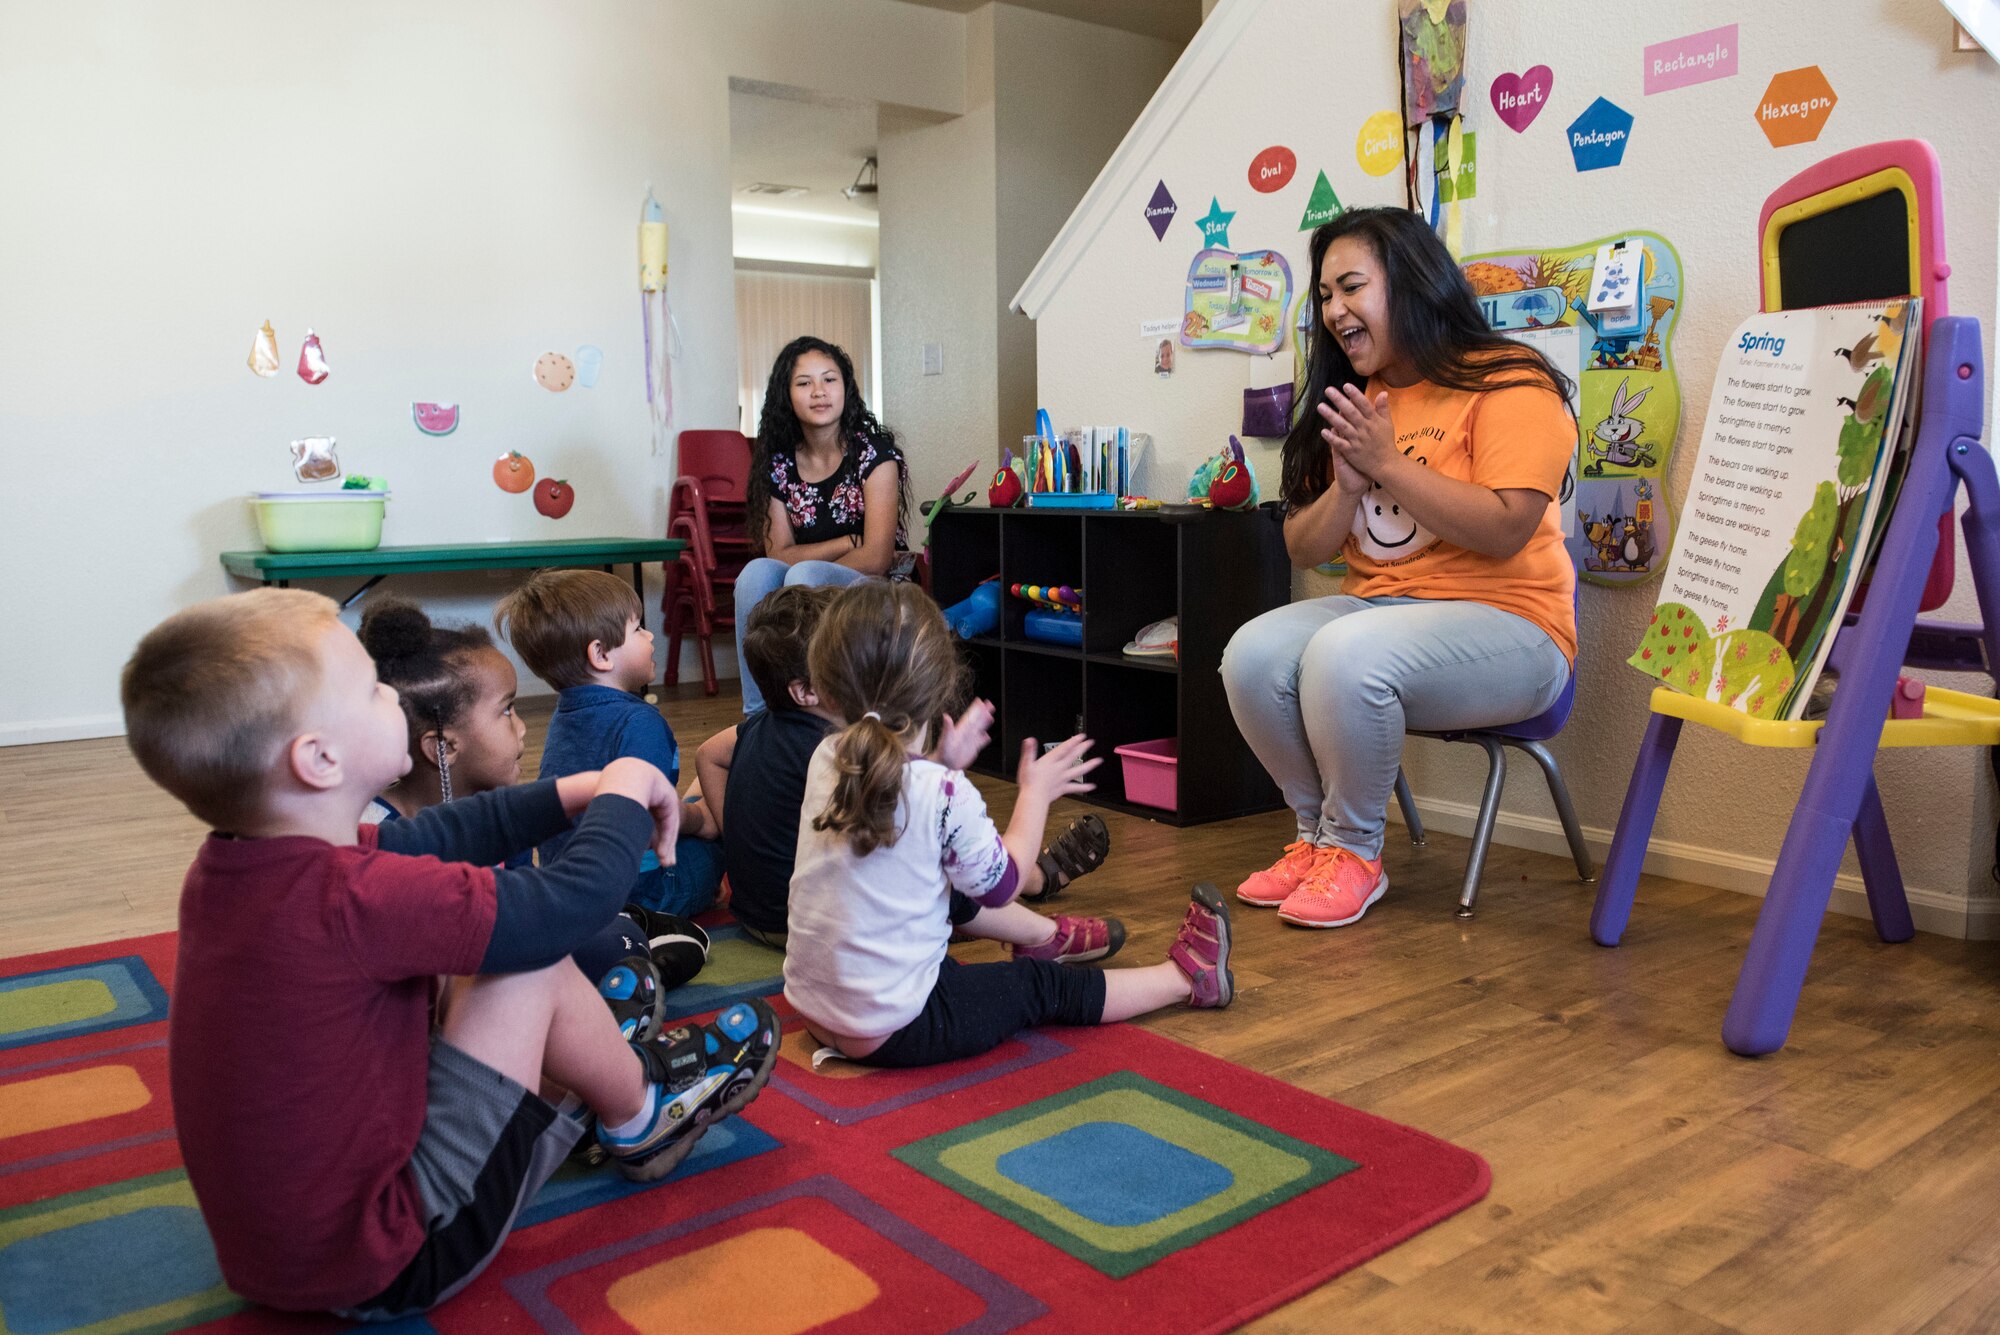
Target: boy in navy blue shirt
x=581 y=631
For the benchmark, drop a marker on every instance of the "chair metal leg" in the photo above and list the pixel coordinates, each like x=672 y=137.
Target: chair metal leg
x=1408 y=803
x=1564 y=811
x=1482 y=832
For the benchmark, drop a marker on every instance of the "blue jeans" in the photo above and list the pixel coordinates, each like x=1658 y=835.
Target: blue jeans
x=1323 y=690
x=687 y=887
x=764 y=576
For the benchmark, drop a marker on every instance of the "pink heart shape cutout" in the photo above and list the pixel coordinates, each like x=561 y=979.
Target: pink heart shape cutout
x=1519 y=98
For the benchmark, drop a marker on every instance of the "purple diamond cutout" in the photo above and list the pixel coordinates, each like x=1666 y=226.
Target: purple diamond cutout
x=1160 y=210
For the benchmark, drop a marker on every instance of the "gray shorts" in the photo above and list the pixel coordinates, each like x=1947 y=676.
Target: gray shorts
x=487 y=1147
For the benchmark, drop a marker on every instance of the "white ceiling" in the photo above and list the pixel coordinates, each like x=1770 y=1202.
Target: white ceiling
x=782 y=137
x=1174 y=20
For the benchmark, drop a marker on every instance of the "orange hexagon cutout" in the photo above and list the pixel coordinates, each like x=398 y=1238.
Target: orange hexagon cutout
x=1794 y=108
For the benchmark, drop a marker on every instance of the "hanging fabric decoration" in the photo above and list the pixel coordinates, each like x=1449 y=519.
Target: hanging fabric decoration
x=656 y=316
x=1433 y=50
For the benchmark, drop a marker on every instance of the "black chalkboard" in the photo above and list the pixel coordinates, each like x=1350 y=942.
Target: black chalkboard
x=1856 y=252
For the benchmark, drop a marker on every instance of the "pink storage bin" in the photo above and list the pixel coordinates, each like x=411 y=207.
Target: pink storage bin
x=1149 y=772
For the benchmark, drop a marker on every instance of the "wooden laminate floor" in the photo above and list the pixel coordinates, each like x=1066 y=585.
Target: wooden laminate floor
x=1644 y=1179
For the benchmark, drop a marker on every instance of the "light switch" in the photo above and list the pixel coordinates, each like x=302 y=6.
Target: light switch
x=933 y=359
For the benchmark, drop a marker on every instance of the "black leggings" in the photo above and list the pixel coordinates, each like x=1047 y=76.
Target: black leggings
x=973 y=1008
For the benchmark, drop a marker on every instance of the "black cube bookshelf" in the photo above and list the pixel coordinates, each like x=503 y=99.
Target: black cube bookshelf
x=1213 y=569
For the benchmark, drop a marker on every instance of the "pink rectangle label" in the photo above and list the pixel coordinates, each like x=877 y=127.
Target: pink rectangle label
x=1696 y=58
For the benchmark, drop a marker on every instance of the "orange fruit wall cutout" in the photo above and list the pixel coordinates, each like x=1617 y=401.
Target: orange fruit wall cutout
x=513 y=472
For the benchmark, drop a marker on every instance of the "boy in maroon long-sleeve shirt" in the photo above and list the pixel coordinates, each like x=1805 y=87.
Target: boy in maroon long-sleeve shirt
x=357 y=1143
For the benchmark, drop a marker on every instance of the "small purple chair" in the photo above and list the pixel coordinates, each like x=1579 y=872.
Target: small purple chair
x=1526 y=736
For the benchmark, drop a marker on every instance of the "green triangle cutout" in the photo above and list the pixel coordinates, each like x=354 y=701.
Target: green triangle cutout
x=1323 y=207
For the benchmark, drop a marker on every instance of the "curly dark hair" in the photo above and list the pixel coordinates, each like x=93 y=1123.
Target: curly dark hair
x=425 y=663
x=778 y=430
x=1434 y=319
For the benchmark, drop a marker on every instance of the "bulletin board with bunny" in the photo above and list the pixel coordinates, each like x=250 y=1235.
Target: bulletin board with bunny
x=1615 y=340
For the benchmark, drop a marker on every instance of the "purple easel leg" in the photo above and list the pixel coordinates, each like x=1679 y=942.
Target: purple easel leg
x=1774 y=968
x=1620 y=880
x=1843 y=765
x=1887 y=903
x=1973 y=466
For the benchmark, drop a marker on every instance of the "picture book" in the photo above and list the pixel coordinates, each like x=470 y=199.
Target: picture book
x=1802 y=440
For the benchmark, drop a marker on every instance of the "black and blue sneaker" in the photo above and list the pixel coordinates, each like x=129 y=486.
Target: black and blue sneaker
x=745 y=1038
x=638 y=1001
x=679 y=1118
x=701 y=1075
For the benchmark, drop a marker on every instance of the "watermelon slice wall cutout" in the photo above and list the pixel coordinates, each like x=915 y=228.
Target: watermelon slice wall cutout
x=435 y=419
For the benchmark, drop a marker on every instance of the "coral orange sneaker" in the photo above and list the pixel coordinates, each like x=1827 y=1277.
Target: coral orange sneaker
x=1336 y=892
x=1271 y=887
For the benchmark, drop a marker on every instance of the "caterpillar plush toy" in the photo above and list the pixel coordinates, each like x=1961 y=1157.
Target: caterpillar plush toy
x=1225 y=481
x=1009 y=485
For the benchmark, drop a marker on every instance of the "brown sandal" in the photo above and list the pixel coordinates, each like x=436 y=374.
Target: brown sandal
x=1077 y=851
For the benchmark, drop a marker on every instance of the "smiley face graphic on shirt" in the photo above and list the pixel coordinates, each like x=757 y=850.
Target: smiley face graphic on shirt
x=1382 y=529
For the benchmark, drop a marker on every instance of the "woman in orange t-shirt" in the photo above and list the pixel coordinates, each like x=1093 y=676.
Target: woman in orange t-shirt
x=1432 y=462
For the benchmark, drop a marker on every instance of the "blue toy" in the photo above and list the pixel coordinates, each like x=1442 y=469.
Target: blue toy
x=1053 y=627
x=978 y=613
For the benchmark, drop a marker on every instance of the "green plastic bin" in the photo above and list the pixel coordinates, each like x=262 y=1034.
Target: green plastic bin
x=319 y=521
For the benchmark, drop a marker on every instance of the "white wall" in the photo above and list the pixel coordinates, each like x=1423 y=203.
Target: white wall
x=442 y=192
x=1068 y=93
x=1696 y=170
x=938 y=277
x=969 y=204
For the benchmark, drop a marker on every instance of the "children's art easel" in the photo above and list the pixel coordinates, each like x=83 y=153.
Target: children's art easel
x=1866 y=224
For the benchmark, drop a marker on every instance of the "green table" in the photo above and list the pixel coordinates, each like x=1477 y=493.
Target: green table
x=281 y=568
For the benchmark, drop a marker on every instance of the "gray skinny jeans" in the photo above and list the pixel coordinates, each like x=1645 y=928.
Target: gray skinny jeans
x=1324 y=689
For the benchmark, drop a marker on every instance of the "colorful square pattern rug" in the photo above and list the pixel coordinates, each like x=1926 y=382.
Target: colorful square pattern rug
x=1070 y=1179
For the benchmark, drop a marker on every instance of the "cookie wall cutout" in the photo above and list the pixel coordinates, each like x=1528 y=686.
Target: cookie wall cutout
x=554 y=372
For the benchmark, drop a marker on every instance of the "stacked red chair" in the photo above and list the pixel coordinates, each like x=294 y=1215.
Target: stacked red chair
x=707 y=506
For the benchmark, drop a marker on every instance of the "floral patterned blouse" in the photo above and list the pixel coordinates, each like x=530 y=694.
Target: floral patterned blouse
x=821 y=511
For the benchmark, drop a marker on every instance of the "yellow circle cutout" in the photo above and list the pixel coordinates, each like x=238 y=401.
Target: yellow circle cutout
x=1380 y=145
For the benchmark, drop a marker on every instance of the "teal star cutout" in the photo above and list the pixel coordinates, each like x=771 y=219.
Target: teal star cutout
x=1215 y=224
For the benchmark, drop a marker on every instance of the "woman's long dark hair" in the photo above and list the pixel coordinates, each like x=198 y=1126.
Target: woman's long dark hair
x=779 y=432
x=1434 y=321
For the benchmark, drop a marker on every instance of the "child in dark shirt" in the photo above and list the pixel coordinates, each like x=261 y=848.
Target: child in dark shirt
x=356 y=1141
x=753 y=781
x=755 y=772
x=581 y=632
